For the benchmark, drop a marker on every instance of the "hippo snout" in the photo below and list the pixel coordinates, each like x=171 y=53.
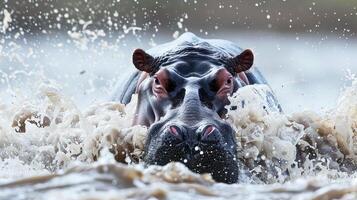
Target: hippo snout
x=205 y=148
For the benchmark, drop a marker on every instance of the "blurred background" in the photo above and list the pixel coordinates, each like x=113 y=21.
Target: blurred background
x=306 y=49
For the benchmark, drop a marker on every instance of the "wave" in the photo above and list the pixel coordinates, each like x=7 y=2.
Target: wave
x=61 y=149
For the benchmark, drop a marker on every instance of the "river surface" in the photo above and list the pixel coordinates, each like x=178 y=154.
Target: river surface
x=62 y=137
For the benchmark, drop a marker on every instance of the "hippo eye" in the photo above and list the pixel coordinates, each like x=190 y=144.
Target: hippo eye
x=229 y=81
x=156 y=80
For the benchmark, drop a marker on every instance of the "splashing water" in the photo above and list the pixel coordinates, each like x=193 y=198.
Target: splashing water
x=77 y=155
x=58 y=58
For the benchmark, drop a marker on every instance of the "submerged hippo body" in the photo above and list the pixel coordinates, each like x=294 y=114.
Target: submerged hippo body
x=183 y=88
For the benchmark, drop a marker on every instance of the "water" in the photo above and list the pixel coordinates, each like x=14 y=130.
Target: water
x=72 y=158
x=58 y=160
x=171 y=182
x=307 y=68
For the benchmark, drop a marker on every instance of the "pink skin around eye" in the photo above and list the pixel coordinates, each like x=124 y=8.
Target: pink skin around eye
x=160 y=84
x=224 y=81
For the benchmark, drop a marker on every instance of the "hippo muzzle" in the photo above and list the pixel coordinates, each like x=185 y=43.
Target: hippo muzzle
x=205 y=146
x=182 y=99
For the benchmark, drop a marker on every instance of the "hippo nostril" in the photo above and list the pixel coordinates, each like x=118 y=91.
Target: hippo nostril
x=175 y=131
x=209 y=134
x=208 y=130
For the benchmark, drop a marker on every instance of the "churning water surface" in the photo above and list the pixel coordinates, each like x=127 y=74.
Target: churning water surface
x=68 y=81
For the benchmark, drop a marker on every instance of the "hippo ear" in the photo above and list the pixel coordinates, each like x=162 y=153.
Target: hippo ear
x=143 y=61
x=243 y=61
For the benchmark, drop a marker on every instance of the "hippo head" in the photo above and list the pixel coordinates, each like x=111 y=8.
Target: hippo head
x=182 y=98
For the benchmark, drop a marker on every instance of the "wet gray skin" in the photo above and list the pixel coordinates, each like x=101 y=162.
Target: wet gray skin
x=182 y=94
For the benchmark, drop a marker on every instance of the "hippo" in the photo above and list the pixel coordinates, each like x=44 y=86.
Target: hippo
x=183 y=88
